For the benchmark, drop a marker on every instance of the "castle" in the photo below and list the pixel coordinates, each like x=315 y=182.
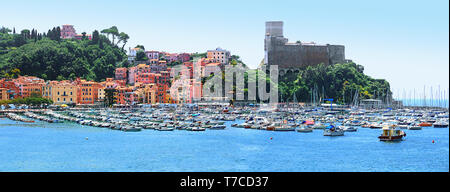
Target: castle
x=290 y=57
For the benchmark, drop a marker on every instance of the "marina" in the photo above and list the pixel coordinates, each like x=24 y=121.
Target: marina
x=224 y=139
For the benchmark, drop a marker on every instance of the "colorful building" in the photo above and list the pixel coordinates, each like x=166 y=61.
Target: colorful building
x=12 y=90
x=28 y=85
x=64 y=92
x=3 y=94
x=152 y=55
x=68 y=32
x=219 y=55
x=87 y=91
x=121 y=73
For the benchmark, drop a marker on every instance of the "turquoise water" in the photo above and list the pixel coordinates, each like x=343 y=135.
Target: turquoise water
x=43 y=146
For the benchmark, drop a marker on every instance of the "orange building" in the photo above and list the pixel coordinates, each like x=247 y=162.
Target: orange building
x=28 y=85
x=87 y=91
x=126 y=95
x=3 y=94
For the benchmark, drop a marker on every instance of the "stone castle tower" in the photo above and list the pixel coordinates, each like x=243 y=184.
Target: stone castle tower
x=293 y=56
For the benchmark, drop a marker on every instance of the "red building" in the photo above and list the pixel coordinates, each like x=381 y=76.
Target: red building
x=11 y=89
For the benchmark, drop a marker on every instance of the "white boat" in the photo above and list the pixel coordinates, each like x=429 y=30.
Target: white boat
x=350 y=129
x=304 y=130
x=197 y=129
x=333 y=131
x=218 y=127
x=440 y=124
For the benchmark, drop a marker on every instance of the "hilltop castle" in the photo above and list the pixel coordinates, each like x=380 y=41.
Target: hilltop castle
x=290 y=57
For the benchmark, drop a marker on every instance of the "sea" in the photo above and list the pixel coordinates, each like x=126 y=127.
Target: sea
x=70 y=147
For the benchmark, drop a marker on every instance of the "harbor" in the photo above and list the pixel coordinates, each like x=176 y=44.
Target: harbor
x=192 y=138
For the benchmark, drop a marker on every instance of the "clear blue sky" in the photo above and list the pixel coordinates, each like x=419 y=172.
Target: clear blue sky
x=405 y=42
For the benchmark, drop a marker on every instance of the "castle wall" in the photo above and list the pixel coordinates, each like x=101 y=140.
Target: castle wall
x=291 y=56
x=337 y=53
x=313 y=55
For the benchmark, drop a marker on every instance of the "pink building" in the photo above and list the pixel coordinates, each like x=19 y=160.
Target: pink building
x=68 y=32
x=152 y=55
x=131 y=75
x=183 y=57
x=121 y=73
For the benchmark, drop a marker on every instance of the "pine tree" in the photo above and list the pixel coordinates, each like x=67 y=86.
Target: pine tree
x=95 y=37
x=58 y=33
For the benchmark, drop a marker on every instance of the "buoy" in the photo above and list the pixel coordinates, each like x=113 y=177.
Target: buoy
x=270 y=138
x=432 y=141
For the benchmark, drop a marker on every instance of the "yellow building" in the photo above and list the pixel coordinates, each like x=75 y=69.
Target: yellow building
x=101 y=94
x=3 y=94
x=62 y=92
x=147 y=93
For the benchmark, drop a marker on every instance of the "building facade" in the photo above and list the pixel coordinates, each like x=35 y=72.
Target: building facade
x=63 y=92
x=219 y=55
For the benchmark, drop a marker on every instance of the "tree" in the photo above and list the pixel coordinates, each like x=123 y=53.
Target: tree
x=83 y=37
x=140 y=56
x=114 y=32
x=4 y=30
x=25 y=33
x=123 y=37
x=140 y=47
x=95 y=37
x=106 y=31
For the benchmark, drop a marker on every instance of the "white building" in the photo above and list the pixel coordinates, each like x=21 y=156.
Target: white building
x=219 y=55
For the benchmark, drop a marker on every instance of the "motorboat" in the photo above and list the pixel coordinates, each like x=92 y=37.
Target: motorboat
x=333 y=131
x=440 y=124
x=391 y=133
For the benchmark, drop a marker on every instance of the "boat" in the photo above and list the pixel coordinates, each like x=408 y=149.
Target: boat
x=304 y=130
x=425 y=124
x=284 y=127
x=350 y=129
x=440 y=124
x=391 y=133
x=197 y=129
x=333 y=131
x=218 y=127
x=414 y=127
x=403 y=126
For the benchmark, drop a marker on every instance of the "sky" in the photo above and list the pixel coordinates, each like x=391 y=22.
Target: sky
x=404 y=42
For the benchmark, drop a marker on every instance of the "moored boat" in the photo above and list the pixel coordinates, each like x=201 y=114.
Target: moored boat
x=333 y=131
